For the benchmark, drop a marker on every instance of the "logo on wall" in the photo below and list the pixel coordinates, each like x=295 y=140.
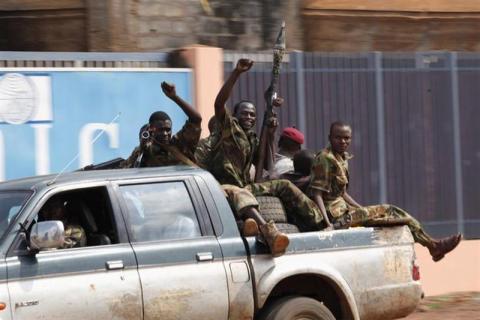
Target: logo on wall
x=25 y=99
x=17 y=98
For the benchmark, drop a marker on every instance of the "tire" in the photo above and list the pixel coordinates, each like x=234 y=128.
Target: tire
x=287 y=228
x=271 y=208
x=297 y=308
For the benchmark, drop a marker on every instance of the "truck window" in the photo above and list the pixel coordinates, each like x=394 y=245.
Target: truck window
x=10 y=204
x=160 y=211
x=86 y=215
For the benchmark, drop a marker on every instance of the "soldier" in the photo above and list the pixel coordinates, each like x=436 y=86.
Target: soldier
x=289 y=144
x=328 y=188
x=159 y=147
x=54 y=209
x=302 y=165
x=232 y=160
x=205 y=146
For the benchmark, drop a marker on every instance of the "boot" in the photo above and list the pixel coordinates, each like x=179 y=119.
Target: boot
x=441 y=247
x=276 y=240
x=250 y=228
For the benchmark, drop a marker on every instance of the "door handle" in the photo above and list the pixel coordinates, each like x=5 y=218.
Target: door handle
x=114 y=265
x=204 y=256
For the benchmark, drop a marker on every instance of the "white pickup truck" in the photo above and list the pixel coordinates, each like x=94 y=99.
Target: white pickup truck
x=162 y=243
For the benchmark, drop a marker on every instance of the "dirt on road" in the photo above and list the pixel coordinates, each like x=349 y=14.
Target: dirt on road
x=453 y=306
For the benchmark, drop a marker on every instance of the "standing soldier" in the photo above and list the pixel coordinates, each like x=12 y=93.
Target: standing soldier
x=231 y=162
x=328 y=188
x=160 y=148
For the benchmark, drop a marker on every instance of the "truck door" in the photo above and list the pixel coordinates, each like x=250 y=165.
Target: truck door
x=96 y=281
x=179 y=259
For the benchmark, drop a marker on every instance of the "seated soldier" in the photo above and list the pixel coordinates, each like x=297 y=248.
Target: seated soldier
x=54 y=209
x=328 y=188
x=302 y=164
x=289 y=144
x=203 y=152
x=159 y=148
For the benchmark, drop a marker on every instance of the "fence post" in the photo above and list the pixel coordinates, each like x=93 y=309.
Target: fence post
x=296 y=59
x=382 y=162
x=457 y=142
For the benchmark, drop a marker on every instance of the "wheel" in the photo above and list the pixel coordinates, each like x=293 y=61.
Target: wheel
x=297 y=308
x=271 y=208
x=287 y=228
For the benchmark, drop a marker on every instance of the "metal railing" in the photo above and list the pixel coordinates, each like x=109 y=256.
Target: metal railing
x=19 y=59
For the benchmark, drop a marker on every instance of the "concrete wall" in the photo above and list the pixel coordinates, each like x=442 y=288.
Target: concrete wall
x=34 y=25
x=146 y=25
x=396 y=25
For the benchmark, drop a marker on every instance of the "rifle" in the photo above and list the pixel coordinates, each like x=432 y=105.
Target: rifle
x=111 y=164
x=266 y=148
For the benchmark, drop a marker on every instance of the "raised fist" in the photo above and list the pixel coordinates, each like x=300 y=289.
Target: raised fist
x=244 y=65
x=169 y=89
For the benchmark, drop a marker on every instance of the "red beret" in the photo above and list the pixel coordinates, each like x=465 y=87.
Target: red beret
x=293 y=134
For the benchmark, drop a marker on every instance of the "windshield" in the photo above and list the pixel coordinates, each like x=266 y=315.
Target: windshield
x=10 y=204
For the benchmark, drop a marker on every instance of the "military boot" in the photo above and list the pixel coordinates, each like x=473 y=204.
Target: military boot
x=440 y=248
x=276 y=240
x=250 y=228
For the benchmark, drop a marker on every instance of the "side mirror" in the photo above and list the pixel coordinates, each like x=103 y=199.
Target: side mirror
x=47 y=235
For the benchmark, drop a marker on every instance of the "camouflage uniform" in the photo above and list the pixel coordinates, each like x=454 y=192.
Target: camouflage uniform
x=203 y=152
x=301 y=211
x=231 y=164
x=234 y=153
x=330 y=175
x=74 y=236
x=185 y=142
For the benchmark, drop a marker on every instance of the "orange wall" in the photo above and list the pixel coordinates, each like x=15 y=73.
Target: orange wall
x=207 y=64
x=458 y=271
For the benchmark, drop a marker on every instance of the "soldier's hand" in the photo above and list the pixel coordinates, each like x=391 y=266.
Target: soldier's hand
x=277 y=102
x=169 y=89
x=329 y=228
x=272 y=123
x=244 y=65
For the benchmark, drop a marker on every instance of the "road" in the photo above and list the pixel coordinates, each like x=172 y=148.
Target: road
x=453 y=306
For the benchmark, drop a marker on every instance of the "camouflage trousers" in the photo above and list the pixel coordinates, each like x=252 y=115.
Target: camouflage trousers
x=388 y=214
x=74 y=236
x=300 y=209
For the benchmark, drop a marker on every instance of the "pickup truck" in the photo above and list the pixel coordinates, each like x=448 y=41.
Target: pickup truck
x=163 y=243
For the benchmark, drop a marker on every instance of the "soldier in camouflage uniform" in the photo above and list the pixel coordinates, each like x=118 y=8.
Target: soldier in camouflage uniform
x=233 y=157
x=328 y=188
x=158 y=147
x=75 y=235
x=204 y=150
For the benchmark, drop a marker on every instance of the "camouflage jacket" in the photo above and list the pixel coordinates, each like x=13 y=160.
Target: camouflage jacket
x=185 y=141
x=205 y=149
x=330 y=175
x=234 y=154
x=74 y=236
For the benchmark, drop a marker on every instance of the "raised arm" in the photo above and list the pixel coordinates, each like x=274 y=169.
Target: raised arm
x=193 y=115
x=243 y=65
